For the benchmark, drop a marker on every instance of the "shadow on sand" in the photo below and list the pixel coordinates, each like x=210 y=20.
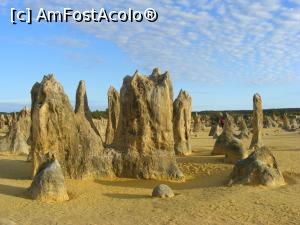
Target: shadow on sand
x=15 y=169
x=196 y=158
x=14 y=191
x=127 y=196
x=217 y=180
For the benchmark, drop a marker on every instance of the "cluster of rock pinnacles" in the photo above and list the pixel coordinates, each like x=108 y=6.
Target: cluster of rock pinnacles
x=145 y=129
x=139 y=137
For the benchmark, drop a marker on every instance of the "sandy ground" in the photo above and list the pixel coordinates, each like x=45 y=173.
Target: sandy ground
x=202 y=199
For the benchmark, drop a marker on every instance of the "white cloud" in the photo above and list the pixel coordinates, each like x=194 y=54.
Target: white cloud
x=208 y=41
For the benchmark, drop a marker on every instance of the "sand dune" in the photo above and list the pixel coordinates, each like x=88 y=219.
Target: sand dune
x=202 y=199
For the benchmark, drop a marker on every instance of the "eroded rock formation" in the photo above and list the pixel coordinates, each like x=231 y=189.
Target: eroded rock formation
x=2 y=121
x=294 y=125
x=57 y=130
x=286 y=122
x=144 y=144
x=269 y=122
x=16 y=139
x=145 y=129
x=113 y=115
x=101 y=125
x=257 y=122
x=82 y=106
x=259 y=168
x=182 y=111
x=228 y=145
x=243 y=128
x=213 y=130
x=49 y=185
x=198 y=126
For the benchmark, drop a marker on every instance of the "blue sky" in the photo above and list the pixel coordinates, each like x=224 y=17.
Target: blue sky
x=220 y=51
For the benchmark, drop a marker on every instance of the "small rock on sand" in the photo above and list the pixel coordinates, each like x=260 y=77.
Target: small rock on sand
x=162 y=191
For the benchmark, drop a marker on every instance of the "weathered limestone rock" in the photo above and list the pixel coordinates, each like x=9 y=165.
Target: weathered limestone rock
x=286 y=122
x=113 y=115
x=248 y=121
x=82 y=106
x=101 y=125
x=49 y=185
x=243 y=128
x=182 y=111
x=14 y=117
x=269 y=122
x=294 y=124
x=228 y=145
x=218 y=132
x=162 y=191
x=145 y=129
x=257 y=122
x=274 y=117
x=16 y=139
x=9 y=119
x=279 y=120
x=213 y=130
x=2 y=121
x=57 y=130
x=198 y=126
x=206 y=120
x=260 y=168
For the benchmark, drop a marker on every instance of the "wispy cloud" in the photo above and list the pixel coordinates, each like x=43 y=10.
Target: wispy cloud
x=70 y=42
x=207 y=41
x=3 y=2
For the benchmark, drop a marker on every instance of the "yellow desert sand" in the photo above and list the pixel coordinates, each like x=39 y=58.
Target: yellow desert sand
x=203 y=199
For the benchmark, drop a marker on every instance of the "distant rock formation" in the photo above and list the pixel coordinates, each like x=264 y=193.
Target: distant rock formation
x=217 y=132
x=101 y=125
x=2 y=121
x=16 y=139
x=182 y=112
x=286 y=122
x=260 y=168
x=228 y=145
x=9 y=120
x=82 y=105
x=213 y=130
x=269 y=122
x=49 y=185
x=294 y=125
x=243 y=128
x=57 y=130
x=113 y=115
x=215 y=127
x=198 y=126
x=14 y=117
x=206 y=120
x=145 y=129
x=248 y=121
x=257 y=122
